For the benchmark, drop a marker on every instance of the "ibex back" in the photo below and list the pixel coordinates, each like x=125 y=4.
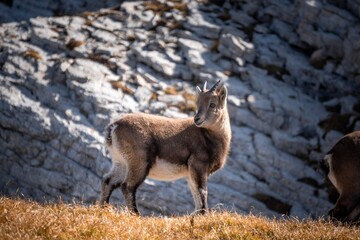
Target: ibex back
x=143 y=145
x=344 y=173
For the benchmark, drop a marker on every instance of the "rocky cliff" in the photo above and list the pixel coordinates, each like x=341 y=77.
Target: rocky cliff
x=292 y=69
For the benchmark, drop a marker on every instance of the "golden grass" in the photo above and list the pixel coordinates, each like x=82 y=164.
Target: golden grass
x=160 y=7
x=21 y=219
x=121 y=85
x=103 y=60
x=33 y=54
x=171 y=90
x=74 y=44
x=190 y=99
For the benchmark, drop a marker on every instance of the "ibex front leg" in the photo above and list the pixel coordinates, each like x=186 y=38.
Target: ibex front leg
x=345 y=208
x=197 y=182
x=354 y=215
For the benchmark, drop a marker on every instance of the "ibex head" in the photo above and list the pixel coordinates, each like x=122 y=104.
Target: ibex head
x=211 y=105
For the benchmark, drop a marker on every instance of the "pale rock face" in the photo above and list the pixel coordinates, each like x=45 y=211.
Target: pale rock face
x=292 y=75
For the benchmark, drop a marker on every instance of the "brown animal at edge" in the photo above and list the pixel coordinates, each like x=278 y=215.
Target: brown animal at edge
x=344 y=173
x=143 y=145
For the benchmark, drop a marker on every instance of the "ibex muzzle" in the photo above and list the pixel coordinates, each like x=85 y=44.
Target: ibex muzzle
x=344 y=173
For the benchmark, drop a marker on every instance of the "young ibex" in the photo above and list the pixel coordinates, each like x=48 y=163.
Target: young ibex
x=344 y=173
x=143 y=145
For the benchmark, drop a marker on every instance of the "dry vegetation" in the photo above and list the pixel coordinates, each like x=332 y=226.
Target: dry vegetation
x=21 y=219
x=32 y=54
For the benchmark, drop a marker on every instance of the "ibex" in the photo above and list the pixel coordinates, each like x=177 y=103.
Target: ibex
x=143 y=145
x=344 y=173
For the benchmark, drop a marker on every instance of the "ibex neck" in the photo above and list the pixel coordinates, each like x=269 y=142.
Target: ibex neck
x=222 y=129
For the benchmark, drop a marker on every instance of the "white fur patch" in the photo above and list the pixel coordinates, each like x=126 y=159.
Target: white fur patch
x=331 y=174
x=195 y=193
x=119 y=164
x=165 y=171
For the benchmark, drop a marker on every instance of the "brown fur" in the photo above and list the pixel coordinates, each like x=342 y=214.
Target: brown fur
x=344 y=163
x=168 y=149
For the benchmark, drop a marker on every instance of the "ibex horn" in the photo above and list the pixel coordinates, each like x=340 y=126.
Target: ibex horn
x=215 y=86
x=204 y=88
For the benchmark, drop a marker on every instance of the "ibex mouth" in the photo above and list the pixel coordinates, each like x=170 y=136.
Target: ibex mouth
x=198 y=123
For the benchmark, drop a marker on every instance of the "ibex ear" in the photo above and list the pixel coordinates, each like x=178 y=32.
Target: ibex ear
x=223 y=92
x=198 y=90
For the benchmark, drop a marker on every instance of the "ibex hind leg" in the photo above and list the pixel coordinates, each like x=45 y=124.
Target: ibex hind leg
x=135 y=177
x=112 y=180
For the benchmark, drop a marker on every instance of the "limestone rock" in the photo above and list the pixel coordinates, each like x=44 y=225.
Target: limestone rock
x=292 y=72
x=234 y=47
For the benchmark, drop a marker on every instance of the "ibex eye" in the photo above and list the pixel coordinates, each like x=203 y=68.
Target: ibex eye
x=212 y=105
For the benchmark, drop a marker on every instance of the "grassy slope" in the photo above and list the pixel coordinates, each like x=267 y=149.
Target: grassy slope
x=20 y=219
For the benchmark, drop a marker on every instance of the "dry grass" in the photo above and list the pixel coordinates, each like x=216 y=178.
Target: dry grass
x=21 y=219
x=103 y=60
x=121 y=85
x=161 y=7
x=74 y=44
x=190 y=99
x=32 y=54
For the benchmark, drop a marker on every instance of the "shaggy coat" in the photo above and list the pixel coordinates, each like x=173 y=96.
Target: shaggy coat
x=143 y=145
